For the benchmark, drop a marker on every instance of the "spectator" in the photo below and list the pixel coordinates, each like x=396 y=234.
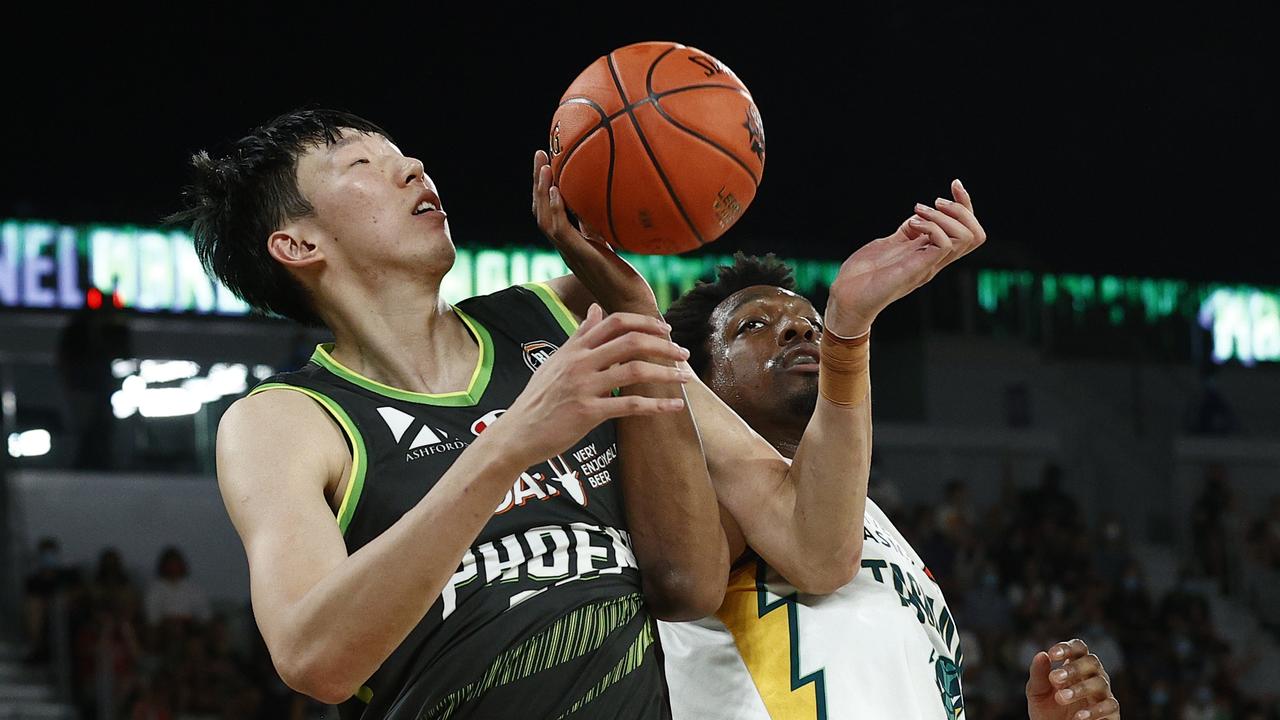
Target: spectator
x=44 y=584
x=1048 y=501
x=175 y=606
x=1216 y=528
x=1212 y=414
x=89 y=343
x=112 y=585
x=956 y=514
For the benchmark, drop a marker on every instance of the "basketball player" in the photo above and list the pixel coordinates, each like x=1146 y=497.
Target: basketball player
x=882 y=645
x=432 y=508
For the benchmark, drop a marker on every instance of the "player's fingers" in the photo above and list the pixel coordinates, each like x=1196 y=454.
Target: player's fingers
x=1073 y=671
x=1095 y=689
x=539 y=161
x=961 y=194
x=636 y=345
x=936 y=235
x=620 y=323
x=1038 y=676
x=1108 y=709
x=635 y=372
x=966 y=218
x=1068 y=650
x=626 y=405
x=959 y=233
x=907 y=231
x=595 y=315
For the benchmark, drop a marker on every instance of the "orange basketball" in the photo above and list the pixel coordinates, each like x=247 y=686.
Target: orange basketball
x=658 y=146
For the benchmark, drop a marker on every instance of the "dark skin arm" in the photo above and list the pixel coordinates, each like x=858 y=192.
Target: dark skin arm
x=672 y=512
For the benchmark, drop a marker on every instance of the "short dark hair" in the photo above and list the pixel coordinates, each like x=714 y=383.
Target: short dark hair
x=690 y=315
x=238 y=197
x=171 y=552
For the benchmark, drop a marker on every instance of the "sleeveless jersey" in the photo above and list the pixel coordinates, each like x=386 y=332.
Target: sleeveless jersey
x=543 y=617
x=883 y=646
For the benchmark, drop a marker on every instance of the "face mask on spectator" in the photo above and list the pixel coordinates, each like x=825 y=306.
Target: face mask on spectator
x=47 y=559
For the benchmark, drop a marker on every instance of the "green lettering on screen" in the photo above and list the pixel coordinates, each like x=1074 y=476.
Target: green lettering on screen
x=1244 y=321
x=48 y=265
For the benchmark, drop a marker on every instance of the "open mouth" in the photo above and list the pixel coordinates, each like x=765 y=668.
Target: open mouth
x=427 y=203
x=801 y=358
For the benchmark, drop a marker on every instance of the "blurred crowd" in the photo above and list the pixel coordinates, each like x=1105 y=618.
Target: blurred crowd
x=1019 y=575
x=1031 y=570
x=151 y=649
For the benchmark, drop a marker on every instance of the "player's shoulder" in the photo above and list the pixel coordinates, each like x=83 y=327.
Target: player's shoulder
x=273 y=418
x=522 y=307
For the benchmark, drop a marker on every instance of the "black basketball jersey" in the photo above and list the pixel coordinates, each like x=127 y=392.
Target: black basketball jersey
x=544 y=617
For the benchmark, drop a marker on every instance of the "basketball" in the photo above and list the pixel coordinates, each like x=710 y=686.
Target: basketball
x=657 y=146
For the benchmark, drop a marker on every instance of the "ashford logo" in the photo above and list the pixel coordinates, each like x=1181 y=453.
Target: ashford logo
x=537 y=352
x=427 y=441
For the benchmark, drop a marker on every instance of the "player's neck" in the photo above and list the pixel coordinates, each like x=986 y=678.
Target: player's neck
x=409 y=340
x=786 y=446
x=784 y=438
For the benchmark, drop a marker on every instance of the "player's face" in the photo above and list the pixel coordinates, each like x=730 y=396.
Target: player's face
x=368 y=199
x=764 y=355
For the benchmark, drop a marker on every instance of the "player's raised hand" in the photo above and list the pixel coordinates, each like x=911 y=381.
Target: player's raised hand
x=889 y=268
x=1079 y=689
x=572 y=392
x=610 y=279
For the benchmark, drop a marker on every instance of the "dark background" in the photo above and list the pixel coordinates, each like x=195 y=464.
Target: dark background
x=1138 y=140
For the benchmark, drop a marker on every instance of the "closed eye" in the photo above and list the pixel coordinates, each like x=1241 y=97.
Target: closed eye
x=357 y=162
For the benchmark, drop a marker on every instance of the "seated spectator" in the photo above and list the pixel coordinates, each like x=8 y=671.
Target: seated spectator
x=112 y=585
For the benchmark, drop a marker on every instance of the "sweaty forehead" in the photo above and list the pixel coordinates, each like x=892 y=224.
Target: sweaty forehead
x=350 y=137
x=322 y=155
x=768 y=296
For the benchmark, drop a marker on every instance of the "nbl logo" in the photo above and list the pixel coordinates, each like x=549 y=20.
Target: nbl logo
x=537 y=352
x=555 y=140
x=755 y=131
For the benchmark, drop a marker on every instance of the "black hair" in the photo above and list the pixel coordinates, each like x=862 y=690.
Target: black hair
x=237 y=198
x=690 y=315
x=171 y=553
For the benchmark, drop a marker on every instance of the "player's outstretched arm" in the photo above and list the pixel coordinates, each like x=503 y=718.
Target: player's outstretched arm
x=806 y=520
x=330 y=619
x=1078 y=689
x=672 y=512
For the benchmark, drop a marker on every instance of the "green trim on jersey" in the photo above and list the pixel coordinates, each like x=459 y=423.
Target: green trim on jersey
x=461 y=398
x=364 y=694
x=575 y=634
x=567 y=321
x=355 y=483
x=629 y=662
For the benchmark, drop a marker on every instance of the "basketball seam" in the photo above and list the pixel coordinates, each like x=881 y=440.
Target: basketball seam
x=613 y=72
x=708 y=141
x=578 y=143
x=608 y=128
x=627 y=107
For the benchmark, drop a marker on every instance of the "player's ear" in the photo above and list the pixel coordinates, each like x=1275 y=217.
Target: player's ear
x=291 y=246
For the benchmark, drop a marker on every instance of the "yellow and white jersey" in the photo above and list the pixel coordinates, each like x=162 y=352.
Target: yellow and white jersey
x=883 y=646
